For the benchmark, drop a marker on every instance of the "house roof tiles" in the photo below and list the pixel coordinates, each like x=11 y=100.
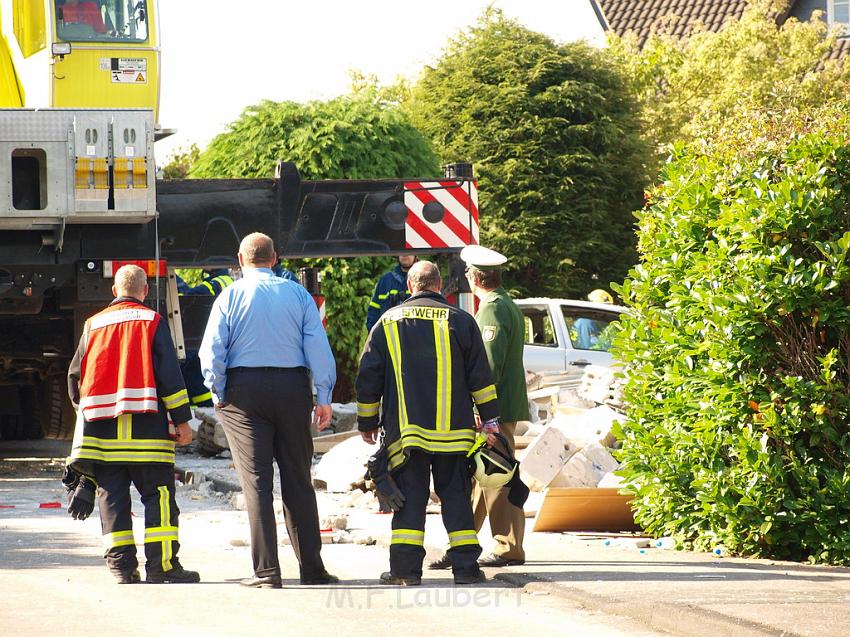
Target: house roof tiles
x=643 y=17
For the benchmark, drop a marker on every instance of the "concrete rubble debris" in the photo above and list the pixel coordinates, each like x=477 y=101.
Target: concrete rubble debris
x=592 y=425
x=544 y=458
x=344 y=465
x=336 y=522
x=602 y=385
x=344 y=417
x=586 y=468
x=211 y=439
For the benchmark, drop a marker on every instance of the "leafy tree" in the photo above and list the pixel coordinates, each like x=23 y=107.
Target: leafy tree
x=737 y=350
x=181 y=162
x=357 y=136
x=751 y=84
x=553 y=134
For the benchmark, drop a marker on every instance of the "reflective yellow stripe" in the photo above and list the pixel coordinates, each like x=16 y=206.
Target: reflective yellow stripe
x=408 y=536
x=160 y=533
x=127 y=456
x=396 y=456
x=176 y=399
x=139 y=443
x=440 y=436
x=444 y=375
x=484 y=395
x=367 y=410
x=463 y=538
x=125 y=427
x=394 y=344
x=197 y=400
x=209 y=287
x=165 y=521
x=387 y=295
x=223 y=280
x=375 y=305
x=118 y=538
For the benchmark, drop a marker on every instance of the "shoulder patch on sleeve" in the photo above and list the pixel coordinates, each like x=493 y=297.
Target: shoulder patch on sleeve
x=488 y=333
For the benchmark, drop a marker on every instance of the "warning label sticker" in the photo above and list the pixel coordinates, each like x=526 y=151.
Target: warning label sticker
x=129 y=70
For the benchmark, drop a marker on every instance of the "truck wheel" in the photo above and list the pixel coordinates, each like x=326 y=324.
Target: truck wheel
x=58 y=416
x=205 y=442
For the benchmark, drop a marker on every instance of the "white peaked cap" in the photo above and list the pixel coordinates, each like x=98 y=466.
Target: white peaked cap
x=482 y=257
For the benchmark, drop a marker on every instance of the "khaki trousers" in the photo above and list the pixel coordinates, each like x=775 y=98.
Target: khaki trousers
x=507 y=522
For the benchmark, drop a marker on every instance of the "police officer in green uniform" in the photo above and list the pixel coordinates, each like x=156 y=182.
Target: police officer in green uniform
x=503 y=330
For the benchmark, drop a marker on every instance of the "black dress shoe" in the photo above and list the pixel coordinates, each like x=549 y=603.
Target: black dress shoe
x=476 y=577
x=321 y=580
x=128 y=577
x=442 y=563
x=269 y=581
x=397 y=580
x=497 y=561
x=177 y=575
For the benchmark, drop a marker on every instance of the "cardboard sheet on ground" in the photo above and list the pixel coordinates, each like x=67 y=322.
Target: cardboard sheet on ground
x=585 y=509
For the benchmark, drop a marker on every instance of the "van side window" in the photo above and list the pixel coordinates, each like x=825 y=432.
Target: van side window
x=589 y=329
x=538 y=326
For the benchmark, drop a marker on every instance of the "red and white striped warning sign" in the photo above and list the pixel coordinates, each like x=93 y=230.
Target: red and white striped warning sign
x=453 y=225
x=320 y=303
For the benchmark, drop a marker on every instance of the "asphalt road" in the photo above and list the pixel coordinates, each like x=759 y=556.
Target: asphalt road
x=53 y=580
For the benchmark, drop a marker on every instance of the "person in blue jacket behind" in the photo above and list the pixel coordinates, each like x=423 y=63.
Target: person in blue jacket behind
x=212 y=285
x=390 y=291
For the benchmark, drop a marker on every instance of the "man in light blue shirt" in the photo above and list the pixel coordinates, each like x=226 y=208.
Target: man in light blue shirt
x=263 y=341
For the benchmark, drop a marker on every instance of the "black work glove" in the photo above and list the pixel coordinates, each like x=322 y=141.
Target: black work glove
x=389 y=495
x=81 y=500
x=70 y=479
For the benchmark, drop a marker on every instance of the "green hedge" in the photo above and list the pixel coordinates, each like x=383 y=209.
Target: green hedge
x=738 y=351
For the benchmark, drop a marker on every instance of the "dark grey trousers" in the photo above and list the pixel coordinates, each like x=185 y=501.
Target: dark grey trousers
x=267 y=419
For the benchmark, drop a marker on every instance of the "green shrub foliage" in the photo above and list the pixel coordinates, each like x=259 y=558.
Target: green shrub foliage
x=738 y=352
x=356 y=136
x=553 y=133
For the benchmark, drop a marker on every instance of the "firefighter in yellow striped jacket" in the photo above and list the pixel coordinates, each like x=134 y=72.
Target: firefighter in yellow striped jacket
x=422 y=368
x=125 y=382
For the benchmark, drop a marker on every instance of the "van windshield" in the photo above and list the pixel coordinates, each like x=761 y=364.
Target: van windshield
x=102 y=20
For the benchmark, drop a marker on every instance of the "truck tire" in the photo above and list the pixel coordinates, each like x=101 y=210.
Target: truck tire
x=205 y=442
x=58 y=416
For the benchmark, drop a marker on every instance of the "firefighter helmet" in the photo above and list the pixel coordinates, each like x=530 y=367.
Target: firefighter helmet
x=493 y=466
x=600 y=296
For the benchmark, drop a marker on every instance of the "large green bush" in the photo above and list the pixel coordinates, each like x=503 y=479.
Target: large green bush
x=738 y=352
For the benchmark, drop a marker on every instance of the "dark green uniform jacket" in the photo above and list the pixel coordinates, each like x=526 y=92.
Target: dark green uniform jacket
x=503 y=330
x=423 y=366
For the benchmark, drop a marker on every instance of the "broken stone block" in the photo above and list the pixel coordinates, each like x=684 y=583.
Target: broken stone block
x=363 y=539
x=238 y=502
x=543 y=459
x=521 y=427
x=344 y=417
x=344 y=465
x=602 y=385
x=586 y=468
x=342 y=537
x=239 y=542
x=336 y=522
x=592 y=425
